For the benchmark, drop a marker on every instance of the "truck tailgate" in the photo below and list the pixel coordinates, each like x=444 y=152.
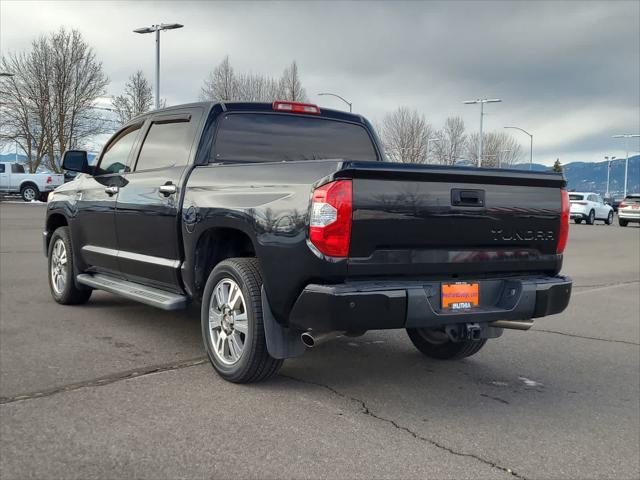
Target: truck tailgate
x=420 y=220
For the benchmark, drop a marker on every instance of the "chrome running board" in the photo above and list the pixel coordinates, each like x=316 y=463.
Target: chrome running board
x=134 y=291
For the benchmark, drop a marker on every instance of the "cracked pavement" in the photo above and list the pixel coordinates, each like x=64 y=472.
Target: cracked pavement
x=114 y=389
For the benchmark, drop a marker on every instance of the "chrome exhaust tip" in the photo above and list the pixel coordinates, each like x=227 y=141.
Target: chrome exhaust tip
x=313 y=340
x=512 y=324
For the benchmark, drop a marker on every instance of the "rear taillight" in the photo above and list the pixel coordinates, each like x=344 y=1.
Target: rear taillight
x=49 y=179
x=563 y=234
x=622 y=205
x=330 y=223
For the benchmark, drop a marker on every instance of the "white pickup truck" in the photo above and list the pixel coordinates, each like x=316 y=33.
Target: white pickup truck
x=31 y=186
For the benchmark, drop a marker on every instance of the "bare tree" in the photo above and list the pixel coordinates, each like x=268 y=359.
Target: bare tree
x=291 y=88
x=404 y=134
x=221 y=85
x=48 y=102
x=451 y=142
x=136 y=99
x=498 y=149
x=257 y=88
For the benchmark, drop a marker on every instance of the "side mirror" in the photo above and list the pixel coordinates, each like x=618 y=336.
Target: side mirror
x=76 y=161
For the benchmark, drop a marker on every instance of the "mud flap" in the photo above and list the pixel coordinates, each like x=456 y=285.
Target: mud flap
x=282 y=342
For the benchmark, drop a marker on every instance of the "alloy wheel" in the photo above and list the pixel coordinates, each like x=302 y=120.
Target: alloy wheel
x=58 y=266
x=228 y=321
x=29 y=194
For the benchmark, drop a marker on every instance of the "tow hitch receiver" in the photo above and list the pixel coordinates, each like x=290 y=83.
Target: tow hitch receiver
x=465 y=331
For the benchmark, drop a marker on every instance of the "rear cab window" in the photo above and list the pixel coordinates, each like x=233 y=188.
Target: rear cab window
x=168 y=141
x=267 y=137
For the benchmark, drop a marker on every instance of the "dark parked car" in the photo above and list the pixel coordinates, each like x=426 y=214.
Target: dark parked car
x=289 y=227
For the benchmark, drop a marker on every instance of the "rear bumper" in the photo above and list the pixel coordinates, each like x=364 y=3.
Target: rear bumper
x=633 y=216
x=362 y=306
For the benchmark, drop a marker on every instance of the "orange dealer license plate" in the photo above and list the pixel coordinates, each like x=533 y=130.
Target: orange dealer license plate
x=460 y=295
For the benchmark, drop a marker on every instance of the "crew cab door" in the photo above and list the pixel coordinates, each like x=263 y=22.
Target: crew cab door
x=148 y=206
x=4 y=177
x=93 y=229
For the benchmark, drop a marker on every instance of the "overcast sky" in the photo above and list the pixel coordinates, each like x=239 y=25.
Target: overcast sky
x=567 y=72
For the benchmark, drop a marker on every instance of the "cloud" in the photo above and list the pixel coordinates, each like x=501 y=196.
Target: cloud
x=569 y=72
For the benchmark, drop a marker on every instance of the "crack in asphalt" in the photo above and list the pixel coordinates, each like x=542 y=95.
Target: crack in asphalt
x=417 y=436
x=107 y=380
x=585 y=337
x=624 y=282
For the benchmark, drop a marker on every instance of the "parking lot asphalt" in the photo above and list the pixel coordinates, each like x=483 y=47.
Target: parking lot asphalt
x=114 y=389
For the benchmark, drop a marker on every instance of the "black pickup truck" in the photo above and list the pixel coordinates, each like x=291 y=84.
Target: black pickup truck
x=288 y=226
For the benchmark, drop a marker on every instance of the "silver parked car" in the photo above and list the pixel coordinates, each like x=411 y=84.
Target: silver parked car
x=629 y=210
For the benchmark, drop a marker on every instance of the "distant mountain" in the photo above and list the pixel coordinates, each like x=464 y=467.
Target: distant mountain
x=581 y=176
x=592 y=176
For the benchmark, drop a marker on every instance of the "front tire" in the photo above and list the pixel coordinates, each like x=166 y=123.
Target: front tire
x=232 y=325
x=591 y=218
x=623 y=223
x=60 y=270
x=609 y=219
x=436 y=344
x=29 y=192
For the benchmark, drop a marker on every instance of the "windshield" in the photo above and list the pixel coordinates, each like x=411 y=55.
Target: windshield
x=632 y=200
x=256 y=137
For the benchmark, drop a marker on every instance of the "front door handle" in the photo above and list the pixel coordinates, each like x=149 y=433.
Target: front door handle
x=112 y=190
x=168 y=189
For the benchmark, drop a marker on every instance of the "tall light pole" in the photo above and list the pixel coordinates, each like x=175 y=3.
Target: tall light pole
x=626 y=136
x=481 y=101
x=429 y=140
x=157 y=29
x=609 y=160
x=338 y=96
x=530 y=145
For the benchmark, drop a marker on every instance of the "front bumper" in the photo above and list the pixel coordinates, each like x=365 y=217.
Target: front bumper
x=360 y=306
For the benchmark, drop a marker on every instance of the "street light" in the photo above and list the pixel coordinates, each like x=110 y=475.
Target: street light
x=338 y=96
x=481 y=101
x=429 y=140
x=530 y=145
x=157 y=29
x=609 y=160
x=626 y=136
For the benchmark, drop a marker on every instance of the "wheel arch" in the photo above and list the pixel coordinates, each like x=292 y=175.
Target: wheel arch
x=27 y=182
x=54 y=221
x=214 y=245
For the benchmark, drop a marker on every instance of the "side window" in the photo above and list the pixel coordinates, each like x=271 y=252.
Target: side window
x=114 y=158
x=17 y=168
x=167 y=144
x=1 y=167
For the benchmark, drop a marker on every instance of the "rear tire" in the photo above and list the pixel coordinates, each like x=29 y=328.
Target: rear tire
x=591 y=218
x=60 y=270
x=29 y=192
x=578 y=220
x=434 y=345
x=233 y=330
x=623 y=223
x=609 y=219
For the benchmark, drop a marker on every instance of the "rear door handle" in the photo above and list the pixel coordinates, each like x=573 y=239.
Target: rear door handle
x=168 y=189
x=111 y=190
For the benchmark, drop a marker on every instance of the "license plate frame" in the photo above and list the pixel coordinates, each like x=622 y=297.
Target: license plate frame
x=460 y=295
